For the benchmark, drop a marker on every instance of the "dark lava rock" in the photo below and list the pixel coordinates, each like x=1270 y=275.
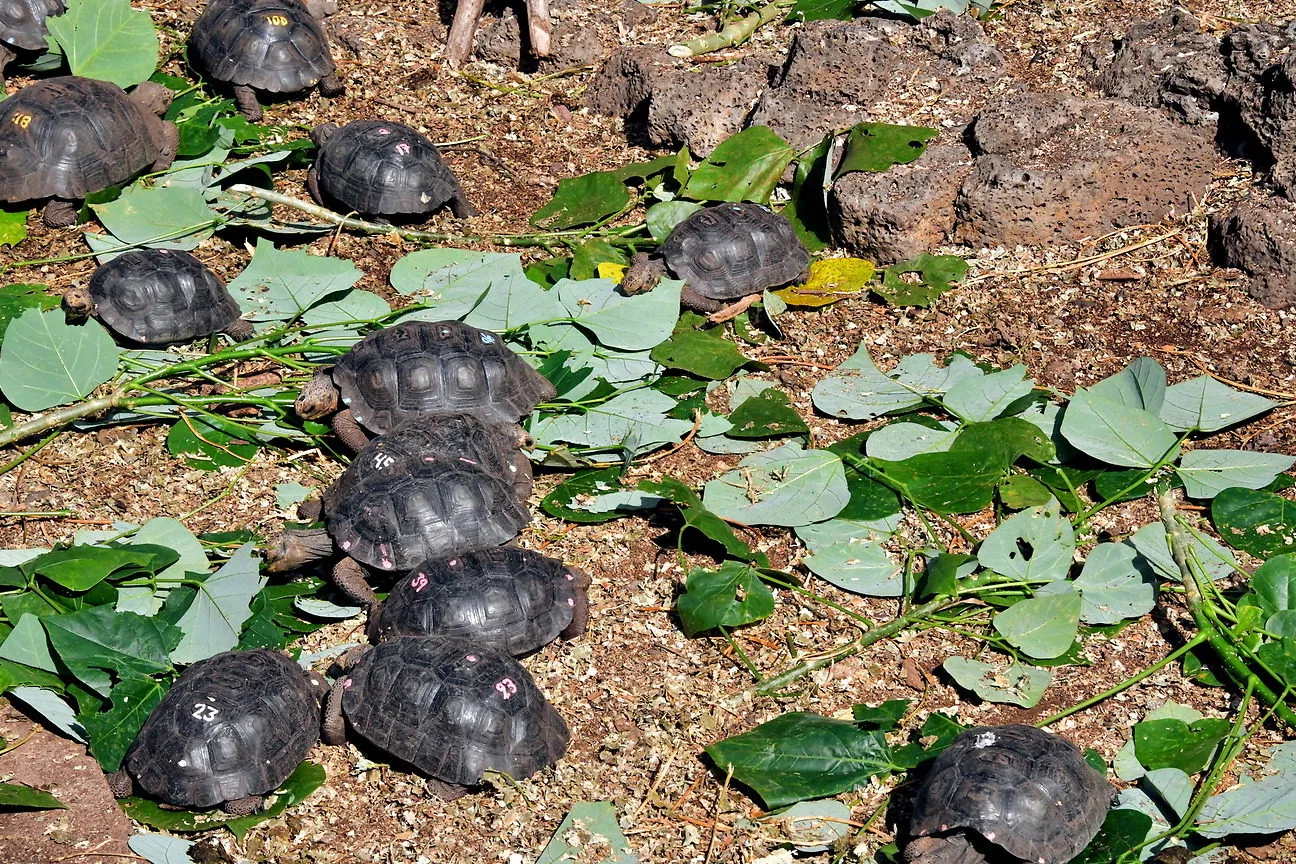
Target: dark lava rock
x=1261 y=99
x=1054 y=168
x=1258 y=237
x=903 y=212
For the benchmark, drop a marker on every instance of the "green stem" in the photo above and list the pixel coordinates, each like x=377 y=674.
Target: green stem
x=1127 y=683
x=742 y=655
x=32 y=451
x=734 y=33
x=1166 y=458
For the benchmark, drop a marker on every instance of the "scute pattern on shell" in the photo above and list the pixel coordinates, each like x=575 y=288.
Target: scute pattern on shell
x=66 y=137
x=270 y=45
x=732 y=250
x=158 y=296
x=233 y=725
x=22 y=22
x=453 y=709
x=393 y=513
x=381 y=168
x=426 y=367
x=1030 y=792
x=507 y=598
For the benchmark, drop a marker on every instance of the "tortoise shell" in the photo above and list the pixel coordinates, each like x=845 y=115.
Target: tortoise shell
x=22 y=22
x=1025 y=790
x=391 y=513
x=430 y=367
x=158 y=296
x=233 y=725
x=732 y=250
x=453 y=709
x=381 y=168
x=270 y=45
x=66 y=137
x=508 y=598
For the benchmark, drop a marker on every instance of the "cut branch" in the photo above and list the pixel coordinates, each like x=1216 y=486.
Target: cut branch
x=59 y=418
x=732 y=34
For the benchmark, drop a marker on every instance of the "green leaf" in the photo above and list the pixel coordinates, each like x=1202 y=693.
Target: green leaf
x=1034 y=545
x=885 y=717
x=290 y=494
x=111 y=732
x=47 y=362
x=161 y=848
x=785 y=486
x=213 y=623
x=592 y=826
x=1122 y=831
x=27 y=644
x=876 y=147
x=1265 y=807
x=1172 y=743
x=744 y=167
x=961 y=480
x=300 y=784
x=583 y=485
x=15 y=796
x=281 y=284
x=989 y=396
x=1114 y=433
x=1279 y=657
x=18 y=298
x=101 y=638
x=1206 y=405
x=943 y=572
x=766 y=415
x=823 y=10
x=630 y=323
x=858 y=390
x=1043 y=626
x=635 y=422
x=13 y=224
x=1021 y=491
x=801 y=755
x=697 y=516
x=203 y=445
x=161 y=217
x=848 y=554
x=700 y=352
x=583 y=200
x=1274 y=585
x=728 y=597
x=1020 y=685
x=663 y=216
x=1260 y=523
x=1142 y=385
x=80 y=568
x=1112 y=586
x=1206 y=473
x=107 y=39
x=808 y=209
x=1215 y=561
x=589 y=255
x=935 y=275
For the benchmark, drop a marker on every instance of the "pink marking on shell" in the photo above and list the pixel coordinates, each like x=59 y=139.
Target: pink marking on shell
x=506 y=688
x=386 y=564
x=429 y=458
x=453 y=562
x=570 y=577
x=383 y=130
x=571 y=602
x=419 y=582
x=402 y=148
x=471 y=658
x=467 y=461
x=346 y=683
x=990 y=835
x=346 y=544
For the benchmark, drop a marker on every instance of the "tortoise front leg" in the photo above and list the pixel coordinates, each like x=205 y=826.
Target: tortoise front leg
x=331 y=86
x=694 y=300
x=461 y=207
x=120 y=783
x=333 y=727
x=243 y=806
x=580 y=604
x=240 y=331
x=346 y=427
x=60 y=213
x=445 y=791
x=312 y=185
x=246 y=100
x=349 y=576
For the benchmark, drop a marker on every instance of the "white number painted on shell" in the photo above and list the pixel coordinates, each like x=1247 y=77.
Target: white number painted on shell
x=383 y=460
x=506 y=688
x=204 y=712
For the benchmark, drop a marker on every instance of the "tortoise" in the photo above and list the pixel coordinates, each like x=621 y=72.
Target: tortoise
x=271 y=46
x=158 y=297
x=422 y=367
x=397 y=505
x=63 y=138
x=380 y=168
x=508 y=598
x=723 y=253
x=231 y=728
x=1017 y=787
x=450 y=708
x=22 y=28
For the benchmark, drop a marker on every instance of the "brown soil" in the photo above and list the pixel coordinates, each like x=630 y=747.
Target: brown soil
x=641 y=699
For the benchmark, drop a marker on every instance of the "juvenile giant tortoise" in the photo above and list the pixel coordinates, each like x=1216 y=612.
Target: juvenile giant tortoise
x=1016 y=787
x=23 y=28
x=63 y=138
x=450 y=708
x=723 y=253
x=158 y=297
x=231 y=728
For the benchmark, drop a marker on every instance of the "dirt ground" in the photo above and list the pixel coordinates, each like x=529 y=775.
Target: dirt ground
x=641 y=699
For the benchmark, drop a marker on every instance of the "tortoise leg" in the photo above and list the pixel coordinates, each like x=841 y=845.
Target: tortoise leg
x=240 y=330
x=949 y=849
x=461 y=207
x=333 y=727
x=733 y=310
x=243 y=806
x=297 y=546
x=445 y=791
x=310 y=510
x=580 y=607
x=331 y=86
x=372 y=630
x=120 y=783
x=694 y=300
x=346 y=427
x=246 y=100
x=5 y=56
x=60 y=213
x=350 y=577
x=170 y=147
x=312 y=186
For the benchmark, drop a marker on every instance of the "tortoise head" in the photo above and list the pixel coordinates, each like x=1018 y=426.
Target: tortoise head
x=77 y=302
x=152 y=98
x=643 y=274
x=321 y=9
x=319 y=398
x=322 y=133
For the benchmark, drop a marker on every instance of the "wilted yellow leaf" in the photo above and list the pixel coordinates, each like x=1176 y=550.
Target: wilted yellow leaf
x=831 y=279
x=609 y=270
